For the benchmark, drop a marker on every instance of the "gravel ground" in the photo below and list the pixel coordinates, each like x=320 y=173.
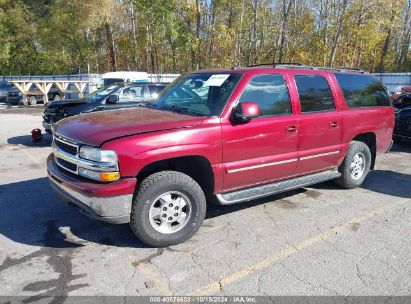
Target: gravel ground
x=320 y=240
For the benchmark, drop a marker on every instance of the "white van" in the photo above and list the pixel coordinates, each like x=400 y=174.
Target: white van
x=115 y=77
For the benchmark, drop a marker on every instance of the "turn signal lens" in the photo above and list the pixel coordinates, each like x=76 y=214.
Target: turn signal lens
x=99 y=176
x=109 y=176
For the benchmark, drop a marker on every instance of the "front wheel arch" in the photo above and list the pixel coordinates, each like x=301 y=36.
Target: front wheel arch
x=146 y=224
x=195 y=166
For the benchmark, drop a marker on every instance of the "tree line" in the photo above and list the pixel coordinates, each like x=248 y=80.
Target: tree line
x=175 y=36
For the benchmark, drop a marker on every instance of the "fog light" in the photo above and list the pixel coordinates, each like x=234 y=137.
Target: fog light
x=99 y=176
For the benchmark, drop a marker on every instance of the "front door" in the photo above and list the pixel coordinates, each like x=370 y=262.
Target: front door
x=320 y=124
x=266 y=148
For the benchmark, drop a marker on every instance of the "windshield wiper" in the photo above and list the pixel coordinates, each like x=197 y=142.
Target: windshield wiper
x=183 y=110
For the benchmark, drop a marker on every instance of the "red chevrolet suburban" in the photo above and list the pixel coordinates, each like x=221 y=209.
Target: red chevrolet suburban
x=225 y=136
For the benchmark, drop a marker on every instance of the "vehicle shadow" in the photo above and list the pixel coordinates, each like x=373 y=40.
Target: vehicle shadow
x=380 y=181
x=25 y=140
x=32 y=214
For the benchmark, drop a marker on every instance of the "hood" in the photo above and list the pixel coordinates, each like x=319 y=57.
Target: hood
x=65 y=102
x=98 y=127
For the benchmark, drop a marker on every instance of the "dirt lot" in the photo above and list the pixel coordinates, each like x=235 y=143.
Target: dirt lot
x=315 y=241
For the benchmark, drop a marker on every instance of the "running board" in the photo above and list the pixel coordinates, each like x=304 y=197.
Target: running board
x=274 y=188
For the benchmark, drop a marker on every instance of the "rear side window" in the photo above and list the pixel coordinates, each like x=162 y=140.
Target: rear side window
x=155 y=89
x=315 y=94
x=362 y=91
x=270 y=93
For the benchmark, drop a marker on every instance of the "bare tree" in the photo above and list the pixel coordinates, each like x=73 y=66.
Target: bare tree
x=286 y=7
x=340 y=23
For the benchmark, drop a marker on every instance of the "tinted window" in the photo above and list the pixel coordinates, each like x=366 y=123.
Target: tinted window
x=314 y=93
x=270 y=93
x=131 y=94
x=108 y=81
x=156 y=88
x=362 y=91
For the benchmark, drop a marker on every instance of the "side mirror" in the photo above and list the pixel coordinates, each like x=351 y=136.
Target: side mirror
x=245 y=111
x=112 y=99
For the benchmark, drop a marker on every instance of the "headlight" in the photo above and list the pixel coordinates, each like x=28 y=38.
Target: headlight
x=99 y=176
x=101 y=156
x=98 y=155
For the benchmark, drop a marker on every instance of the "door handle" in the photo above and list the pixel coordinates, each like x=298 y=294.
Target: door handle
x=291 y=129
x=333 y=124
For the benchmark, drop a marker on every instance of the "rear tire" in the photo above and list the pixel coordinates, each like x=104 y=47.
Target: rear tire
x=355 y=167
x=168 y=209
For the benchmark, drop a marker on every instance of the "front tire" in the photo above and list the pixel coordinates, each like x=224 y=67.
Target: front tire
x=168 y=209
x=32 y=100
x=355 y=167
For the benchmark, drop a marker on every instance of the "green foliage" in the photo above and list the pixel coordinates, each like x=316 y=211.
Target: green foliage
x=60 y=36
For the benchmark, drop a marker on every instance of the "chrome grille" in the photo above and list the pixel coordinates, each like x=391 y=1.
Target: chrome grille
x=69 y=147
x=66 y=146
x=66 y=165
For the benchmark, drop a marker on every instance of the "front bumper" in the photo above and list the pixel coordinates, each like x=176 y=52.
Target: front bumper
x=110 y=203
x=47 y=126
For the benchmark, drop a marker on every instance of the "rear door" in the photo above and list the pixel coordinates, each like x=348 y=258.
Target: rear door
x=320 y=124
x=266 y=148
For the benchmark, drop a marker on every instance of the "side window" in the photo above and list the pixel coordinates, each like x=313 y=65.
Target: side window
x=315 y=94
x=154 y=90
x=362 y=91
x=270 y=93
x=132 y=94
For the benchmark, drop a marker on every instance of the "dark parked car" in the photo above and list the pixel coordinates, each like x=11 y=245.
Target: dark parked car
x=4 y=87
x=402 y=110
x=114 y=96
x=15 y=96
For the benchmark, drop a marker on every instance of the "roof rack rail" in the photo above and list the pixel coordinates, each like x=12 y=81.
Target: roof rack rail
x=341 y=69
x=301 y=65
x=259 y=64
x=274 y=64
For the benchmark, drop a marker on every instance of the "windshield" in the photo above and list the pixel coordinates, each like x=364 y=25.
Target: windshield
x=102 y=92
x=199 y=94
